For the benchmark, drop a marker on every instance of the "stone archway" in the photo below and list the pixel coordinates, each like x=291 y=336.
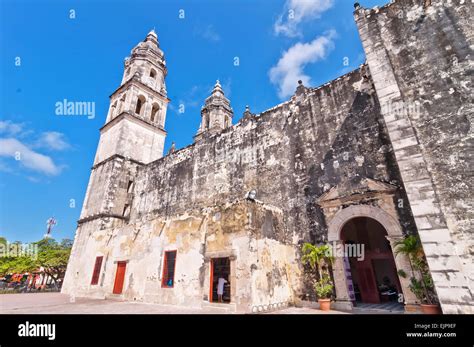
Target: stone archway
x=394 y=233
x=390 y=224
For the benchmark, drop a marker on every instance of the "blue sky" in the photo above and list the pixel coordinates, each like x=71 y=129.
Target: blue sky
x=47 y=56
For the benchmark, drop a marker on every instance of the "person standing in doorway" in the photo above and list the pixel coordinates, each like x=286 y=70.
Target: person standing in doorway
x=220 y=288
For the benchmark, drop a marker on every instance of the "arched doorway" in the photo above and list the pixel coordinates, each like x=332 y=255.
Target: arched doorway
x=373 y=270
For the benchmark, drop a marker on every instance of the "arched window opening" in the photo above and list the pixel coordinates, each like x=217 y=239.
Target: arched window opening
x=154 y=112
x=152 y=73
x=140 y=103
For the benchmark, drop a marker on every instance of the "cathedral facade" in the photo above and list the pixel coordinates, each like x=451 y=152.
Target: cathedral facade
x=377 y=154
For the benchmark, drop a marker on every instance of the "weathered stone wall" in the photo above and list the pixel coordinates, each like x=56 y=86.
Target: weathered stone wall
x=107 y=191
x=263 y=271
x=290 y=154
x=131 y=137
x=419 y=54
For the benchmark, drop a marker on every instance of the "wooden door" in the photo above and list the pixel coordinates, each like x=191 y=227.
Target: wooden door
x=367 y=284
x=211 y=286
x=119 y=277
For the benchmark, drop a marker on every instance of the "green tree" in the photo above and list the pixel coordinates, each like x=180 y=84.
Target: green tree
x=47 y=243
x=11 y=259
x=16 y=265
x=67 y=243
x=320 y=259
x=3 y=247
x=422 y=285
x=52 y=257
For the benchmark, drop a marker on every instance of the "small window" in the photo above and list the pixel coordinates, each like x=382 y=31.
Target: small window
x=140 y=102
x=126 y=210
x=154 y=112
x=152 y=73
x=96 y=273
x=129 y=186
x=168 y=269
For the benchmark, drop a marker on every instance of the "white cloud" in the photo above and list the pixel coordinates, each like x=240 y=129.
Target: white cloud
x=297 y=11
x=10 y=147
x=20 y=145
x=10 y=128
x=53 y=140
x=289 y=69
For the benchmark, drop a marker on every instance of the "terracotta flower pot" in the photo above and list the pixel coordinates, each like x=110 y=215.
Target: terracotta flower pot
x=430 y=309
x=324 y=304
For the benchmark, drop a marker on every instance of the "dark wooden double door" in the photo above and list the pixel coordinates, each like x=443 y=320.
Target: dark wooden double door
x=367 y=282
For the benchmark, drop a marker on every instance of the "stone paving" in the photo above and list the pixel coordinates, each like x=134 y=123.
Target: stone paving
x=57 y=303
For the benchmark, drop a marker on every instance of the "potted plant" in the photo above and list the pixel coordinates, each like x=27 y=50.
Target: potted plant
x=421 y=283
x=323 y=288
x=320 y=258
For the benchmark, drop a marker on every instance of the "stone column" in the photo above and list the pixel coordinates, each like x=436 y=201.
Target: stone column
x=343 y=300
x=207 y=279
x=403 y=263
x=233 y=279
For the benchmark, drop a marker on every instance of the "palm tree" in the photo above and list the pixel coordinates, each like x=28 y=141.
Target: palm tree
x=318 y=257
x=409 y=246
x=412 y=248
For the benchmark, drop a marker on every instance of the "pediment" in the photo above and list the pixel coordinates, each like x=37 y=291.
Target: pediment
x=353 y=190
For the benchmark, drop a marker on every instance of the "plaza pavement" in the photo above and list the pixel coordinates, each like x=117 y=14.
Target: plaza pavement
x=57 y=303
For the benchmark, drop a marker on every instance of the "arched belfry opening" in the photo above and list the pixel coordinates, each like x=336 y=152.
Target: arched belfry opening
x=140 y=105
x=154 y=112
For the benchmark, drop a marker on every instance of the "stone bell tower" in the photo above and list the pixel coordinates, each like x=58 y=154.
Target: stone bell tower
x=216 y=114
x=133 y=134
x=135 y=123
